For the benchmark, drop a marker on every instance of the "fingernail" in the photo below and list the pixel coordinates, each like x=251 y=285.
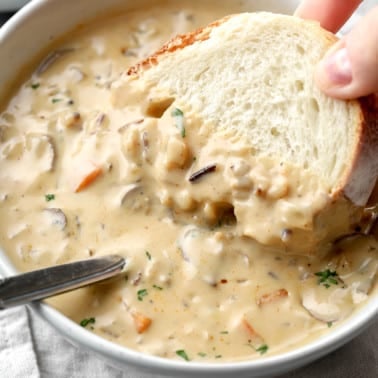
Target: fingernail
x=337 y=67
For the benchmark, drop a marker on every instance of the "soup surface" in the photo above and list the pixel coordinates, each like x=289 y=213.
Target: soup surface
x=87 y=171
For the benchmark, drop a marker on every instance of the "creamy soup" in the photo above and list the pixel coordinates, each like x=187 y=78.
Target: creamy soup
x=85 y=170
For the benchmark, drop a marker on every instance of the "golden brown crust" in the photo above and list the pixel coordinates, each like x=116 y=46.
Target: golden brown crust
x=179 y=42
x=363 y=171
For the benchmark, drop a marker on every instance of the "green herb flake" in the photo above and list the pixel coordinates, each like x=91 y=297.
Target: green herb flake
x=179 y=116
x=35 y=86
x=181 y=353
x=157 y=287
x=55 y=100
x=330 y=324
x=224 y=333
x=218 y=356
x=49 y=197
x=142 y=293
x=87 y=321
x=148 y=254
x=201 y=354
x=262 y=349
x=327 y=278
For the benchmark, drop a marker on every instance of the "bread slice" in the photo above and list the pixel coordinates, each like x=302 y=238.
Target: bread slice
x=250 y=76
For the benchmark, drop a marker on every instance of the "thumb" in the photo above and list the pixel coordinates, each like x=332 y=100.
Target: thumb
x=350 y=68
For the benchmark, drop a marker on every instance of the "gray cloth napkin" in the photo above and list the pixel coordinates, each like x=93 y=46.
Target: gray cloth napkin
x=17 y=355
x=31 y=348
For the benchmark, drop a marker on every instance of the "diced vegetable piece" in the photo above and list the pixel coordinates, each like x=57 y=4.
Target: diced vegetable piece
x=91 y=172
x=177 y=153
x=142 y=322
x=252 y=334
x=155 y=107
x=272 y=297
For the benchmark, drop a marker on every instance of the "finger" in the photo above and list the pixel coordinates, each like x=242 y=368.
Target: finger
x=331 y=14
x=350 y=68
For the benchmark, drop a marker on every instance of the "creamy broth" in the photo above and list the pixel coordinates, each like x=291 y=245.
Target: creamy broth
x=86 y=170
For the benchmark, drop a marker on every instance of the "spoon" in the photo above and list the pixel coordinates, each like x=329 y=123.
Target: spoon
x=44 y=283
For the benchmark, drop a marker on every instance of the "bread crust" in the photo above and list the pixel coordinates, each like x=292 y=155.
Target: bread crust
x=361 y=174
x=178 y=42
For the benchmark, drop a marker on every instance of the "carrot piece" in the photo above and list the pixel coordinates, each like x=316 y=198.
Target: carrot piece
x=250 y=330
x=142 y=323
x=271 y=297
x=92 y=171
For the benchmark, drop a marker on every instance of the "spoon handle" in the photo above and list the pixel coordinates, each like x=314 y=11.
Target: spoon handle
x=43 y=283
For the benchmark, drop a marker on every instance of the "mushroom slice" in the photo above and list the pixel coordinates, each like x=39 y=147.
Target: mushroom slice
x=129 y=196
x=325 y=312
x=57 y=217
x=202 y=252
x=327 y=306
x=51 y=59
x=35 y=149
x=368 y=271
x=41 y=146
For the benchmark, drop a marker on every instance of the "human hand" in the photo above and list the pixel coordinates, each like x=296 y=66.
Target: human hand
x=350 y=68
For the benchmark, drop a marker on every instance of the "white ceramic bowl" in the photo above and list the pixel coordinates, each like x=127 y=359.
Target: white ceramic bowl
x=21 y=39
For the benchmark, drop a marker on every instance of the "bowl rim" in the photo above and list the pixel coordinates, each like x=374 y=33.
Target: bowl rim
x=279 y=363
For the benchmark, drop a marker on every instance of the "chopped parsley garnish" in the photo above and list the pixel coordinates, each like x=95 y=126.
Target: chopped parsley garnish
x=201 y=354
x=181 y=353
x=157 y=287
x=218 y=356
x=55 y=100
x=35 y=86
x=330 y=324
x=148 y=254
x=49 y=197
x=87 y=321
x=224 y=333
x=262 y=349
x=142 y=293
x=179 y=116
x=327 y=277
